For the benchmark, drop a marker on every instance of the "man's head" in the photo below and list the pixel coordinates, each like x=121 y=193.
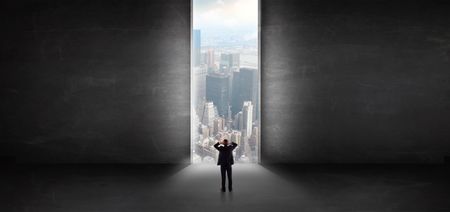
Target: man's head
x=225 y=141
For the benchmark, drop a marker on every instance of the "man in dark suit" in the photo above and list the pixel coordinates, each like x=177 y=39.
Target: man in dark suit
x=225 y=161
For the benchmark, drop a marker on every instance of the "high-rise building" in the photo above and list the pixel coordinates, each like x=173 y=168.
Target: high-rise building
x=219 y=123
x=210 y=59
x=228 y=61
x=247 y=114
x=238 y=122
x=244 y=88
x=204 y=131
x=217 y=92
x=208 y=114
x=236 y=137
x=229 y=120
x=196 y=46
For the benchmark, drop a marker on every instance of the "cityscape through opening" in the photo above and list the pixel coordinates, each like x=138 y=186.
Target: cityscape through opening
x=225 y=79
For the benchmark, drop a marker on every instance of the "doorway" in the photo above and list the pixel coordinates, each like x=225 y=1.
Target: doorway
x=225 y=78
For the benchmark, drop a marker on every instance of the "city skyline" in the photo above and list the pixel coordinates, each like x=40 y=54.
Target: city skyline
x=225 y=79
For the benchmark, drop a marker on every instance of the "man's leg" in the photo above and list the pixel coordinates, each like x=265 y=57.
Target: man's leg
x=230 y=181
x=222 y=172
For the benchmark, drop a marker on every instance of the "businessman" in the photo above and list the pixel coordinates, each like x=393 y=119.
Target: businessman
x=225 y=161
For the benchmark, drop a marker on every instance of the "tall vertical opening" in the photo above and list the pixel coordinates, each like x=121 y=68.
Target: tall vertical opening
x=225 y=78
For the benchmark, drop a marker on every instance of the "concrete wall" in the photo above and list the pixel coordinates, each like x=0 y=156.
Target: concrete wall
x=108 y=81
x=355 y=81
x=95 y=81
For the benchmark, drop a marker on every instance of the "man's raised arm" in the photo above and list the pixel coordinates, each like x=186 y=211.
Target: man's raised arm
x=234 y=145
x=216 y=145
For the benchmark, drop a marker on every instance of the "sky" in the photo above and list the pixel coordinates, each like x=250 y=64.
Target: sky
x=226 y=17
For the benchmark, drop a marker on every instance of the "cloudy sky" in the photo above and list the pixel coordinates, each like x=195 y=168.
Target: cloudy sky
x=230 y=16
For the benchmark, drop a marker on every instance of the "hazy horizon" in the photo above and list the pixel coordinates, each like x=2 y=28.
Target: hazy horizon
x=226 y=22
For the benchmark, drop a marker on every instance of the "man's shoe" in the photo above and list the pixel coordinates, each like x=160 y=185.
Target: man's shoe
x=230 y=189
x=222 y=189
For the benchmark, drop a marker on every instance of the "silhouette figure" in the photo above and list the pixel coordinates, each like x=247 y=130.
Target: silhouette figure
x=225 y=161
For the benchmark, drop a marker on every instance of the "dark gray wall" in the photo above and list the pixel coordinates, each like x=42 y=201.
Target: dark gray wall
x=108 y=81
x=355 y=81
x=93 y=81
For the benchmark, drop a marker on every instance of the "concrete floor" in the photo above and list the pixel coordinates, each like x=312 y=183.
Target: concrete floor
x=196 y=188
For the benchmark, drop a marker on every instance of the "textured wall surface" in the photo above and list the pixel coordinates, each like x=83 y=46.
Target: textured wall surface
x=355 y=81
x=93 y=81
x=108 y=81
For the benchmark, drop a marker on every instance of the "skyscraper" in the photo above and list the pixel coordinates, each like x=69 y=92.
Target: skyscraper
x=236 y=137
x=238 y=122
x=218 y=125
x=210 y=62
x=247 y=113
x=228 y=60
x=217 y=91
x=196 y=46
x=208 y=114
x=244 y=88
x=204 y=131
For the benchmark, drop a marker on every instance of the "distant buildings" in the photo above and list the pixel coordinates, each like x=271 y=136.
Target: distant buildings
x=218 y=125
x=225 y=97
x=204 y=131
x=210 y=60
x=247 y=118
x=208 y=114
x=228 y=61
x=217 y=91
x=238 y=122
x=236 y=137
x=244 y=88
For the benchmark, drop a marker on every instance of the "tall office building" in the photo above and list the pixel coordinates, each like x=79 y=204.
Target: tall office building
x=228 y=61
x=204 y=131
x=236 y=137
x=238 y=122
x=244 y=88
x=196 y=46
x=217 y=92
x=218 y=125
x=229 y=119
x=247 y=118
x=210 y=62
x=208 y=114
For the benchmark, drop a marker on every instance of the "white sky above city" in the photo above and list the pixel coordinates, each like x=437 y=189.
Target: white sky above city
x=226 y=17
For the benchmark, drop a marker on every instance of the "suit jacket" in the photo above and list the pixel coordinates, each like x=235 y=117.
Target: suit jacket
x=225 y=153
